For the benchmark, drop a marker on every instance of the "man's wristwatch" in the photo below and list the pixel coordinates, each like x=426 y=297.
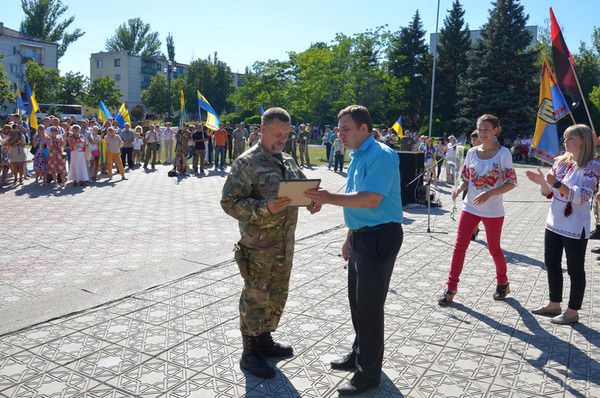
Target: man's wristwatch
x=557 y=184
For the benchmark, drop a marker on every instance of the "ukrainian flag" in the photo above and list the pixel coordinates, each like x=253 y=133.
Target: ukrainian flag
x=212 y=119
x=33 y=107
x=397 y=127
x=122 y=116
x=103 y=112
x=552 y=107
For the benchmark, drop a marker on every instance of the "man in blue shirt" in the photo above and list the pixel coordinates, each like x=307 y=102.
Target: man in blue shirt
x=373 y=214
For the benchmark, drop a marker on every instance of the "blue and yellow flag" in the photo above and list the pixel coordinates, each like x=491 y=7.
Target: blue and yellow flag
x=552 y=107
x=397 y=127
x=19 y=102
x=122 y=116
x=103 y=112
x=261 y=110
x=32 y=108
x=212 y=119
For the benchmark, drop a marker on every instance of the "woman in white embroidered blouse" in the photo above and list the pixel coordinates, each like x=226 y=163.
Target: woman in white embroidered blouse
x=488 y=173
x=570 y=184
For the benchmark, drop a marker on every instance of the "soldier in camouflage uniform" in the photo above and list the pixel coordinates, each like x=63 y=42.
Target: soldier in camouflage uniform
x=266 y=248
x=304 y=138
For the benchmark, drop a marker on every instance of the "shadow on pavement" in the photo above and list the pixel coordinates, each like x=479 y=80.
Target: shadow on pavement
x=553 y=349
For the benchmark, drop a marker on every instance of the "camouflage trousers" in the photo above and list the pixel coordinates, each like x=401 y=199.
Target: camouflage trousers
x=266 y=274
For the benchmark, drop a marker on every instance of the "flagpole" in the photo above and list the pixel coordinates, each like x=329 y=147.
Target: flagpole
x=587 y=111
x=437 y=19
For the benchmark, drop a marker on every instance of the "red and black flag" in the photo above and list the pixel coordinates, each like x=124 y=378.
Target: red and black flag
x=563 y=63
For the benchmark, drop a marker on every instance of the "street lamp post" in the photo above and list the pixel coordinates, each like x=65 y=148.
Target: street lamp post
x=169 y=67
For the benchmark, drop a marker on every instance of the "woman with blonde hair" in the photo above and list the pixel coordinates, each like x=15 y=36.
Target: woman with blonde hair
x=570 y=184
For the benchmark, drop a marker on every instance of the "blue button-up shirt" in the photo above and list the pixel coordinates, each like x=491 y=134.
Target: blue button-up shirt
x=374 y=167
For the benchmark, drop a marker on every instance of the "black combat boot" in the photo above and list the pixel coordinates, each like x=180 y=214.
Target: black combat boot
x=269 y=348
x=252 y=361
x=596 y=233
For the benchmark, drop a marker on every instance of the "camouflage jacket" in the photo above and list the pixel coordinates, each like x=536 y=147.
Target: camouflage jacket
x=254 y=179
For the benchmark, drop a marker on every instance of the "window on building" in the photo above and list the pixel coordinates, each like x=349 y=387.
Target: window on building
x=117 y=61
x=118 y=78
x=14 y=69
x=14 y=50
x=98 y=64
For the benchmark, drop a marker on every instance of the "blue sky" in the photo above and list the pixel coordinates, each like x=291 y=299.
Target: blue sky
x=246 y=31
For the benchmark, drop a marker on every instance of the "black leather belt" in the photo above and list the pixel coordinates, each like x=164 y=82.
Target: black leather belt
x=375 y=227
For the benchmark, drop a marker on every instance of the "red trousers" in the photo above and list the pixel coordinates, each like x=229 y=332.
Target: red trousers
x=493 y=233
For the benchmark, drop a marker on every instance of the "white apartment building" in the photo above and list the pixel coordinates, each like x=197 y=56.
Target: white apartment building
x=131 y=73
x=18 y=48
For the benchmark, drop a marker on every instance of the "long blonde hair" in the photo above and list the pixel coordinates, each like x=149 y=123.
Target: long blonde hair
x=588 y=150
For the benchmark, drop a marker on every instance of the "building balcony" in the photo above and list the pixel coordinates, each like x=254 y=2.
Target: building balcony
x=148 y=70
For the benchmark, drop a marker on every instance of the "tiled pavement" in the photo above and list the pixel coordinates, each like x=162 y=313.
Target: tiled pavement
x=181 y=338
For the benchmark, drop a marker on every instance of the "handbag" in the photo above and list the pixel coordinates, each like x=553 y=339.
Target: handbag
x=95 y=153
x=33 y=149
x=46 y=153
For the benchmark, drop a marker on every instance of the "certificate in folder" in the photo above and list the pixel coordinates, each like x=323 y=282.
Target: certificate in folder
x=294 y=189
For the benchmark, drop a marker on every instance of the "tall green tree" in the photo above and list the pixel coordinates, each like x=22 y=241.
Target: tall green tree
x=320 y=78
x=154 y=96
x=6 y=94
x=587 y=63
x=408 y=56
x=266 y=83
x=103 y=88
x=502 y=77
x=135 y=38
x=44 y=81
x=42 y=20
x=214 y=80
x=73 y=88
x=367 y=78
x=452 y=49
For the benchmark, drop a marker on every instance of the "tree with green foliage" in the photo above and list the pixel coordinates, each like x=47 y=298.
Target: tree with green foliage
x=408 y=56
x=103 y=88
x=452 y=48
x=6 y=94
x=319 y=83
x=587 y=63
x=366 y=77
x=214 y=80
x=135 y=38
x=42 y=21
x=154 y=97
x=502 y=77
x=44 y=81
x=73 y=88
x=266 y=83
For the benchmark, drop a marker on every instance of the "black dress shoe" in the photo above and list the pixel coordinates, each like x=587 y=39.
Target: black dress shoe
x=347 y=362
x=357 y=385
x=596 y=250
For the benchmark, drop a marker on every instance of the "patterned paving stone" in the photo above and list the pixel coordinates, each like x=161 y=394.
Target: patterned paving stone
x=182 y=338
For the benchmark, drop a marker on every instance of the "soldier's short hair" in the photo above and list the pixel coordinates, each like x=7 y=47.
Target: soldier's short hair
x=360 y=115
x=276 y=114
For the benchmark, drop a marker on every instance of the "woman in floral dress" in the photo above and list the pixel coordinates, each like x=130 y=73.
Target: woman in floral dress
x=56 y=161
x=40 y=163
x=488 y=173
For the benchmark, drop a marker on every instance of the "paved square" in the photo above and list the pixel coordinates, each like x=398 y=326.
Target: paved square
x=129 y=289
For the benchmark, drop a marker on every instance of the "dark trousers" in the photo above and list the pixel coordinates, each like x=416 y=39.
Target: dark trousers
x=127 y=153
x=328 y=150
x=372 y=256
x=575 y=252
x=339 y=162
